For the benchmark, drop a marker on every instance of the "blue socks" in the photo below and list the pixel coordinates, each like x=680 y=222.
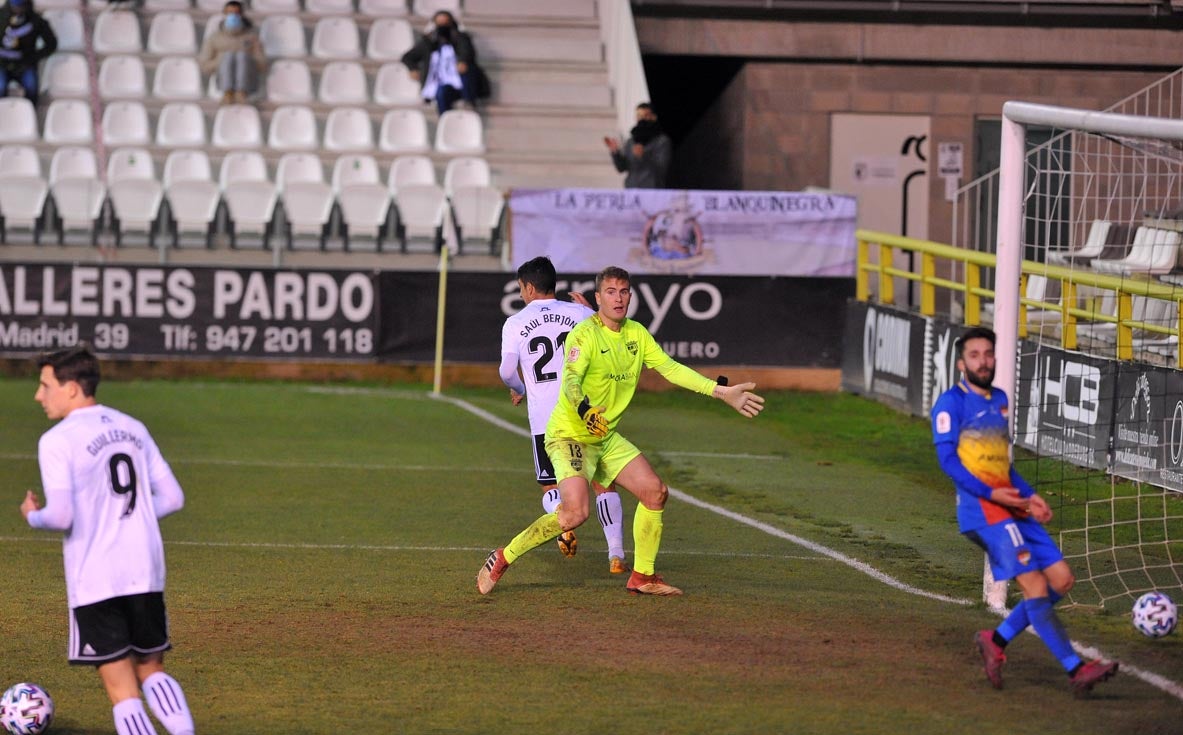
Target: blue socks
x=1047 y=625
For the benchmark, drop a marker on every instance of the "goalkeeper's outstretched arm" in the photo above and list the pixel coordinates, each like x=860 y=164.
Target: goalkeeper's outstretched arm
x=740 y=397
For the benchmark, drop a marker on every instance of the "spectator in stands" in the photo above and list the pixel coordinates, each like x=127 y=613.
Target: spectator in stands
x=20 y=52
x=444 y=62
x=646 y=153
x=235 y=53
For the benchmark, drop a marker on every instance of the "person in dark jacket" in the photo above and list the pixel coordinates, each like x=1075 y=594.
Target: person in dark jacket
x=646 y=153
x=444 y=63
x=20 y=52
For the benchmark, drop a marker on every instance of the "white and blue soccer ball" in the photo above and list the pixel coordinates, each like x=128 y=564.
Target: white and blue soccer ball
x=1155 y=615
x=26 y=709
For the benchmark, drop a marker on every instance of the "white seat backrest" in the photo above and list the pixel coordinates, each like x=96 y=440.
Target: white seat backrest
x=460 y=132
x=237 y=126
x=126 y=123
x=1098 y=235
x=181 y=124
x=393 y=85
x=210 y=6
x=355 y=168
x=117 y=32
x=421 y=205
x=162 y=5
x=187 y=165
x=177 y=78
x=66 y=75
x=73 y=162
x=293 y=127
x=328 y=7
x=343 y=83
x=282 y=36
x=404 y=131
x=18 y=120
x=348 y=129
x=172 y=32
x=242 y=166
x=19 y=160
x=129 y=163
x=477 y=207
x=289 y=81
x=379 y=8
x=262 y=7
x=411 y=171
x=466 y=171
x=67 y=26
x=299 y=167
x=68 y=121
x=122 y=76
x=336 y=37
x=389 y=39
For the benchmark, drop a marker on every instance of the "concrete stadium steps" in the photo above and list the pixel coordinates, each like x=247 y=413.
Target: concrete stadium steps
x=585 y=9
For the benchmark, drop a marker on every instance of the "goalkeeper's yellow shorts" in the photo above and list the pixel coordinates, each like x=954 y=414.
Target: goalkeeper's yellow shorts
x=593 y=462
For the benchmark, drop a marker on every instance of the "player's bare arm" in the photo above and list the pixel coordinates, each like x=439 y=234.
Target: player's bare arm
x=1010 y=498
x=741 y=398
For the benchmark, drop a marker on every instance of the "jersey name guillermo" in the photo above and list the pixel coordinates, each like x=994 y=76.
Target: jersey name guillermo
x=979 y=427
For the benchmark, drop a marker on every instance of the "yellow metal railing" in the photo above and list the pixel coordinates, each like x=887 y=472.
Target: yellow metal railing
x=970 y=286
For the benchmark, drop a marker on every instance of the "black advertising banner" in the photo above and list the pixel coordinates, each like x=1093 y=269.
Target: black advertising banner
x=188 y=311
x=1170 y=470
x=1139 y=421
x=884 y=355
x=940 y=360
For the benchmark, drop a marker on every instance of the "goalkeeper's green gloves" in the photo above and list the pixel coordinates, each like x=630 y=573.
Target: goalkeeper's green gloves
x=593 y=418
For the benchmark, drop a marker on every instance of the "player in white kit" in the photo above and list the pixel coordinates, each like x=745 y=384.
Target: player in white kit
x=533 y=338
x=105 y=487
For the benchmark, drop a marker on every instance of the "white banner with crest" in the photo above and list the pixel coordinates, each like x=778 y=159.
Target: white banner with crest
x=734 y=233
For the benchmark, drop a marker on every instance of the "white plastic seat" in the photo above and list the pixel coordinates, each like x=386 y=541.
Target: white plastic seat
x=1093 y=245
x=157 y=6
x=466 y=171
x=282 y=36
x=393 y=86
x=328 y=7
x=181 y=125
x=66 y=75
x=293 y=128
x=460 y=132
x=413 y=170
x=477 y=211
x=421 y=213
x=191 y=193
x=404 y=131
x=117 y=32
x=68 y=122
x=389 y=39
x=289 y=82
x=67 y=26
x=172 y=32
x=134 y=192
x=364 y=202
x=210 y=6
x=348 y=129
x=264 y=7
x=343 y=83
x=1153 y=251
x=23 y=190
x=57 y=4
x=78 y=193
x=249 y=194
x=336 y=37
x=125 y=123
x=237 y=126
x=18 y=120
x=177 y=78
x=122 y=77
x=307 y=199
x=379 y=8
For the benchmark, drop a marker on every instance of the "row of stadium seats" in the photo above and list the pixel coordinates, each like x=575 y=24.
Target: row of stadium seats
x=292 y=127
x=353 y=203
x=1108 y=248
x=373 y=8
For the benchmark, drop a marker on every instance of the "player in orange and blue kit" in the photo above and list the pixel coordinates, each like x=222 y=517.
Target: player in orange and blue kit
x=1001 y=513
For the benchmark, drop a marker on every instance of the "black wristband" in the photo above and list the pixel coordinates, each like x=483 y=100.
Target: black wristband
x=722 y=380
x=584 y=407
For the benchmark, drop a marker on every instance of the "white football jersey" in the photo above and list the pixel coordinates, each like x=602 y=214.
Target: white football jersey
x=536 y=335
x=105 y=484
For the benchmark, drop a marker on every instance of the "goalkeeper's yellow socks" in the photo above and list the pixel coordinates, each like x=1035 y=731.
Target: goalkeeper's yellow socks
x=536 y=534
x=646 y=539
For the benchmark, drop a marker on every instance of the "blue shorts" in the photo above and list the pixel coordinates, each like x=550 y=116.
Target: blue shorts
x=1015 y=547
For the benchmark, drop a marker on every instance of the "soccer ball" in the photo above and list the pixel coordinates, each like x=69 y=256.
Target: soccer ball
x=1155 y=615
x=26 y=709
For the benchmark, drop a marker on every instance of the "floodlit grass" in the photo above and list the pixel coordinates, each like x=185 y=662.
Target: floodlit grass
x=321 y=577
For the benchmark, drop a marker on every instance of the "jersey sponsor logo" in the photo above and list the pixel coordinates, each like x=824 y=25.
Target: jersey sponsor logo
x=604 y=352
x=944 y=422
x=573 y=354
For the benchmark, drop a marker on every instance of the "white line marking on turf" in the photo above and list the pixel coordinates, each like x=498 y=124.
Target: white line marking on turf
x=1159 y=682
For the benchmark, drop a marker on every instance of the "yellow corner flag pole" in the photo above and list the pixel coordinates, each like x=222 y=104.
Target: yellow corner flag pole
x=439 y=321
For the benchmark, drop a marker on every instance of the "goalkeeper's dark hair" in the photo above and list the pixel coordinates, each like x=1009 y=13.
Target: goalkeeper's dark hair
x=77 y=363
x=619 y=274
x=973 y=333
x=540 y=273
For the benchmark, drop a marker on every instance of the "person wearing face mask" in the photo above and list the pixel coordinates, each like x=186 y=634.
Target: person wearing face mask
x=444 y=62
x=235 y=53
x=27 y=39
x=645 y=156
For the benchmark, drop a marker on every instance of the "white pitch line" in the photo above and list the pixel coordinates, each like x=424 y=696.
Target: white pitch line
x=1154 y=680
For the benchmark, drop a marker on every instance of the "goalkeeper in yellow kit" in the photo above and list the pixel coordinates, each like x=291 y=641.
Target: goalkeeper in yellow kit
x=604 y=357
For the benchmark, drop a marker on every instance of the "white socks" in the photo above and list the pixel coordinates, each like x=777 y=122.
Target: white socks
x=550 y=500
x=131 y=719
x=612 y=519
x=167 y=701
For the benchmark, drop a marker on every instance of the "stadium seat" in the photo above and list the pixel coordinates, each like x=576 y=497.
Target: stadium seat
x=404 y=131
x=158 y=6
x=422 y=211
x=477 y=211
x=66 y=75
x=210 y=6
x=67 y=26
x=23 y=190
x=125 y=123
x=329 y=7
x=466 y=171
x=364 y=202
x=1094 y=245
x=264 y=7
x=172 y=32
x=343 y=83
x=394 y=87
x=307 y=199
x=18 y=120
x=410 y=171
x=181 y=125
x=191 y=194
x=117 y=32
x=237 y=126
x=282 y=36
x=249 y=195
x=348 y=129
x=78 y=194
x=428 y=8
x=293 y=128
x=336 y=37
x=134 y=192
x=389 y=39
x=380 y=8
x=1155 y=251
x=58 y=4
x=289 y=82
x=177 y=78
x=122 y=77
x=68 y=121
x=460 y=132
